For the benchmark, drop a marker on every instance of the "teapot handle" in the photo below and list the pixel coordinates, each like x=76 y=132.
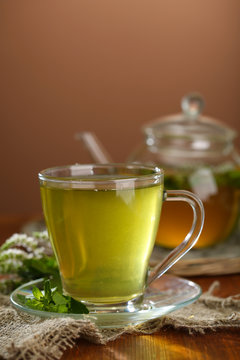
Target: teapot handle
x=191 y=238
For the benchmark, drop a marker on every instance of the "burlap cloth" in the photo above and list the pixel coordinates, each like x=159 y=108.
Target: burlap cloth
x=23 y=336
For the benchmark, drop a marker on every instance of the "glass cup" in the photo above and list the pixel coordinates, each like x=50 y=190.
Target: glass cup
x=102 y=221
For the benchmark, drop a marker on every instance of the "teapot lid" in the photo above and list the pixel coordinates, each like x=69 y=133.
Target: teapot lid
x=190 y=131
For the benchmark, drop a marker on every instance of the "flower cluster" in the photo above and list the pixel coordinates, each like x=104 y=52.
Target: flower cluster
x=17 y=249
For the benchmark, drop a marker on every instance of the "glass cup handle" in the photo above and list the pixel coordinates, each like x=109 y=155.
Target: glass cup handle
x=191 y=238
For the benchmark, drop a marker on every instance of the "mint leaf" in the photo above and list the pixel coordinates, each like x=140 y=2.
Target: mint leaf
x=52 y=308
x=63 y=308
x=34 y=268
x=59 y=299
x=35 y=304
x=47 y=290
x=44 y=267
x=77 y=307
x=21 y=298
x=37 y=293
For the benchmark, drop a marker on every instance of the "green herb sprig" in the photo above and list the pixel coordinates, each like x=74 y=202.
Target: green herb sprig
x=53 y=301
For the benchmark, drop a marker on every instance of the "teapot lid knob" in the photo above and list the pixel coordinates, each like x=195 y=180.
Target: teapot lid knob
x=192 y=105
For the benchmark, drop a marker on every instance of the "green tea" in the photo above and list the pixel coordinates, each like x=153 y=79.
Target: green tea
x=103 y=239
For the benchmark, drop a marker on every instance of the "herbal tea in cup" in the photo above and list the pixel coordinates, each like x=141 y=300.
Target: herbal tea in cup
x=102 y=222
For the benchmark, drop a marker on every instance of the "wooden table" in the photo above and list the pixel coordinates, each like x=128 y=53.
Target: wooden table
x=167 y=344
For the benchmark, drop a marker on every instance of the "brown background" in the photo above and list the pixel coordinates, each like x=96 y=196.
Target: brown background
x=106 y=66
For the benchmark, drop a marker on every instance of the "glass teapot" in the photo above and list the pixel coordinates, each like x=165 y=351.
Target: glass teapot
x=197 y=154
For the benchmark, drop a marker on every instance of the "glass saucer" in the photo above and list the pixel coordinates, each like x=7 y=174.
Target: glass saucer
x=163 y=296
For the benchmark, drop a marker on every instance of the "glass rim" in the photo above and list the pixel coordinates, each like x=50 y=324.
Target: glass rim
x=156 y=174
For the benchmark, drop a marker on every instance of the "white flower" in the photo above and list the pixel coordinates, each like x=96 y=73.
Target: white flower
x=27 y=242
